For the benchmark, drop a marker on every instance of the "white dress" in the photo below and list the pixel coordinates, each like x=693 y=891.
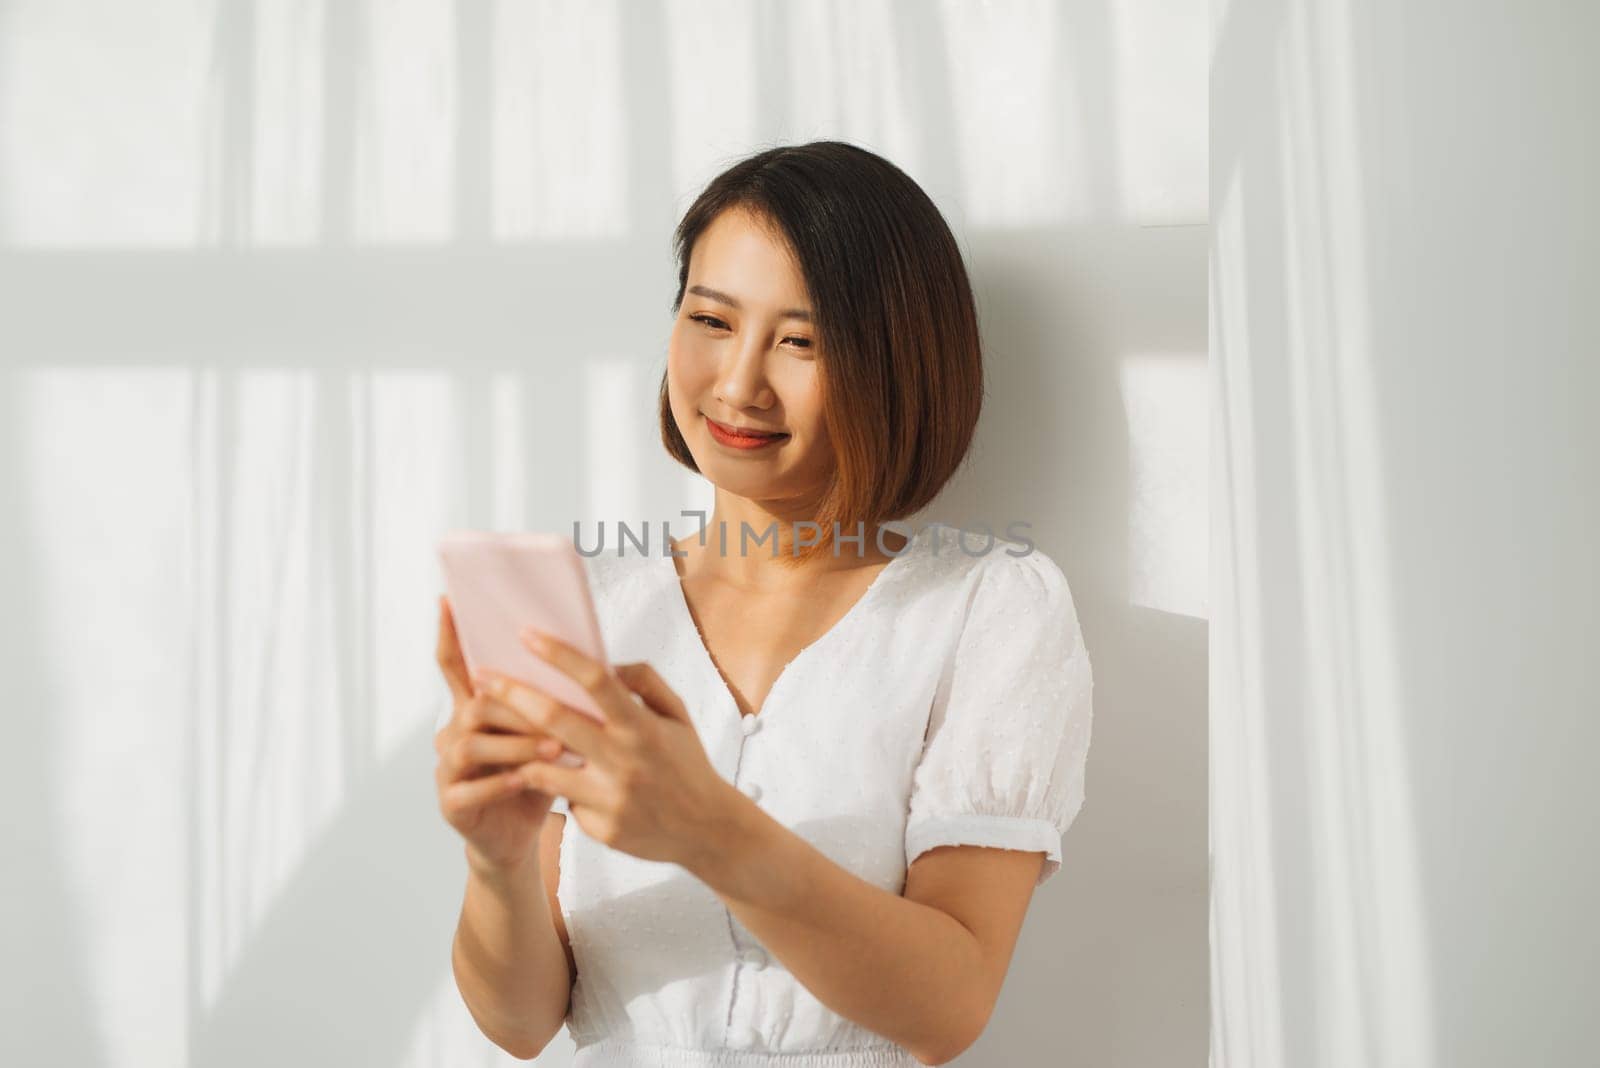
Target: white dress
x=950 y=706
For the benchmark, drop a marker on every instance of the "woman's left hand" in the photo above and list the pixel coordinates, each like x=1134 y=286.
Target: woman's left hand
x=646 y=787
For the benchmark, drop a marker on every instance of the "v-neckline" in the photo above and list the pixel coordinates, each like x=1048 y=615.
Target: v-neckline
x=708 y=662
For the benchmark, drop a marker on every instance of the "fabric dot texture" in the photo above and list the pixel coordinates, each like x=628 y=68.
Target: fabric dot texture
x=950 y=706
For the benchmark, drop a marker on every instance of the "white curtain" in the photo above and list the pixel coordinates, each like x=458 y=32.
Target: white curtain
x=289 y=288
x=1405 y=477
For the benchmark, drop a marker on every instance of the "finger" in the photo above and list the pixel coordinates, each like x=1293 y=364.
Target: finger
x=448 y=654
x=462 y=797
x=577 y=785
x=516 y=697
x=481 y=714
x=615 y=700
x=643 y=680
x=547 y=748
x=485 y=712
x=472 y=753
x=577 y=730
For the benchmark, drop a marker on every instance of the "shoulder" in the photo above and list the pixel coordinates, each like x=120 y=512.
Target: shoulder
x=1016 y=574
x=1024 y=569
x=972 y=565
x=1018 y=591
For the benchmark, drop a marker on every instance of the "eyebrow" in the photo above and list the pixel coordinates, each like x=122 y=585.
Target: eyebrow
x=718 y=295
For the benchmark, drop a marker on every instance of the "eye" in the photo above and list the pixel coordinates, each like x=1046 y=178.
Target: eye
x=713 y=323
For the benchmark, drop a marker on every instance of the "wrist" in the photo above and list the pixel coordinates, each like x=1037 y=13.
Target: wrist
x=501 y=872
x=732 y=845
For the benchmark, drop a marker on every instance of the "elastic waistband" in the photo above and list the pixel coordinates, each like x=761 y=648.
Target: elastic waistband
x=613 y=1053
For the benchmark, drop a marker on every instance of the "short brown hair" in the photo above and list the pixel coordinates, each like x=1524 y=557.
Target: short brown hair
x=901 y=362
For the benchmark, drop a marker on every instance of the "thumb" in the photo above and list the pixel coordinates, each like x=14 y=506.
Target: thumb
x=643 y=680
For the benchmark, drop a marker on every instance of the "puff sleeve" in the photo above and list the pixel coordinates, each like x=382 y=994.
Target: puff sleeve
x=1003 y=760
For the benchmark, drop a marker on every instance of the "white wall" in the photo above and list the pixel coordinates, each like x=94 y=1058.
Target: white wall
x=291 y=287
x=1405 y=473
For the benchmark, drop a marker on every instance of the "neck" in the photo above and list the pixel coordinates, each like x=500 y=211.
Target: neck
x=732 y=550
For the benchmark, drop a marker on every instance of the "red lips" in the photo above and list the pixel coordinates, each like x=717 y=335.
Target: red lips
x=742 y=439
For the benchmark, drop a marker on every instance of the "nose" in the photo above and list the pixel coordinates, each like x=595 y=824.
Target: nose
x=743 y=381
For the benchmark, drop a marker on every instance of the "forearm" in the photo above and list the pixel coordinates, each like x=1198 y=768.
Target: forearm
x=902 y=969
x=508 y=960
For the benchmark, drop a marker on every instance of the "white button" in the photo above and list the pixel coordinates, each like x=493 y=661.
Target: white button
x=750 y=724
x=743 y=1036
x=752 y=791
x=756 y=957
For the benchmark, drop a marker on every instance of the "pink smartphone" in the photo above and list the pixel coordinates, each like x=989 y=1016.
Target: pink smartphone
x=499 y=583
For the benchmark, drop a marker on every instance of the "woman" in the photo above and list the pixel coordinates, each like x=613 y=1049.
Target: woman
x=830 y=778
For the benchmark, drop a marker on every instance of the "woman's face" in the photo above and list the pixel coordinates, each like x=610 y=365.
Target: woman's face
x=743 y=353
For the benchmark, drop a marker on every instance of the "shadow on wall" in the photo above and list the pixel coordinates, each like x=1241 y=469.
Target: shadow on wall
x=348 y=954
x=41 y=927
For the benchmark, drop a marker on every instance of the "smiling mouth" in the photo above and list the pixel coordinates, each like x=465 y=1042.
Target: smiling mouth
x=744 y=438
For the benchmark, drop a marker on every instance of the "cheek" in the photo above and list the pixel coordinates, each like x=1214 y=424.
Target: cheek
x=691 y=363
x=801 y=393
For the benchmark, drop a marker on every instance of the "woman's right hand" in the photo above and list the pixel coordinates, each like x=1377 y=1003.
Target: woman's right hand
x=481 y=753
